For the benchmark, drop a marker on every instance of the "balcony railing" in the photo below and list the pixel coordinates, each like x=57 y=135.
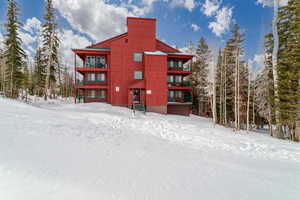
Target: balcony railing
x=79 y=82
x=97 y=65
x=180 y=84
x=185 y=68
x=87 y=82
x=185 y=99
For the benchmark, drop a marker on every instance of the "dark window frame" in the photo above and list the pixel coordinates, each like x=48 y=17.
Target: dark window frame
x=134 y=75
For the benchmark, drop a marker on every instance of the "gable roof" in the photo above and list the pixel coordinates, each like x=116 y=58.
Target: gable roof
x=106 y=43
x=161 y=46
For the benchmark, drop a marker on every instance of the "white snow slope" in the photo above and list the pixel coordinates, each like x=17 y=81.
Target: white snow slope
x=96 y=151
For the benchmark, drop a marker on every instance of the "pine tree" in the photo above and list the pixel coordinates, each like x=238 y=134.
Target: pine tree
x=50 y=49
x=14 y=54
x=39 y=76
x=200 y=71
x=288 y=67
x=26 y=81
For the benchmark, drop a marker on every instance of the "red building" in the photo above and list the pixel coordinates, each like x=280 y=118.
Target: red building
x=135 y=68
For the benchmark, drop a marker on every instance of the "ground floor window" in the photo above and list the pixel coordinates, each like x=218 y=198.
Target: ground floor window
x=96 y=94
x=175 y=94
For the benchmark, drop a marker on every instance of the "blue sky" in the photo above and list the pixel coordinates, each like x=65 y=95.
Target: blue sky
x=87 y=21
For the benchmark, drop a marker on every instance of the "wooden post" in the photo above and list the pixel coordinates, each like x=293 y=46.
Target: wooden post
x=75 y=90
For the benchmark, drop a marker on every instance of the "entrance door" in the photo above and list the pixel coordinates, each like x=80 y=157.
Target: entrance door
x=136 y=96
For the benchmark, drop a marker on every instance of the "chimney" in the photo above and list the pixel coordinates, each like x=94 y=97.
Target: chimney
x=142 y=31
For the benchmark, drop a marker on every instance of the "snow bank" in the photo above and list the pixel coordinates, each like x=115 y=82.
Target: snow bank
x=97 y=151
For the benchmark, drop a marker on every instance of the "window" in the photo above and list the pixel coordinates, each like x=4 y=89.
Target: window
x=91 y=77
x=171 y=93
x=100 y=77
x=180 y=64
x=138 y=75
x=96 y=93
x=171 y=64
x=100 y=94
x=90 y=61
x=100 y=61
x=178 y=78
x=138 y=57
x=170 y=78
x=91 y=94
x=178 y=94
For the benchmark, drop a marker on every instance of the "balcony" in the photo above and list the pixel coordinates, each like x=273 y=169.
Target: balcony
x=179 y=66
x=88 y=69
x=180 y=96
x=185 y=85
x=180 y=84
x=85 y=84
x=186 y=99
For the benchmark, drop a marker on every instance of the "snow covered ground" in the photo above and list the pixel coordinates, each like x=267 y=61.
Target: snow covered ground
x=96 y=151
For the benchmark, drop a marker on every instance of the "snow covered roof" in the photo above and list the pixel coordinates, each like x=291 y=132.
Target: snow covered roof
x=155 y=53
x=180 y=53
x=94 y=49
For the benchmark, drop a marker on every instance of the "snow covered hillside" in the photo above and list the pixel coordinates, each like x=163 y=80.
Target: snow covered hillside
x=96 y=151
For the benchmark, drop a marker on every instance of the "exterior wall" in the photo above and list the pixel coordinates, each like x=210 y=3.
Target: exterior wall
x=179 y=109
x=141 y=34
x=122 y=65
x=156 y=80
x=157 y=109
x=118 y=71
x=141 y=37
x=91 y=100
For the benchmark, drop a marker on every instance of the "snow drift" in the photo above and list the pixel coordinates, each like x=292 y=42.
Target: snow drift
x=97 y=151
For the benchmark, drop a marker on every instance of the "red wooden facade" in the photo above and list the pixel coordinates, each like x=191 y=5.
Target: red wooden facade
x=135 y=67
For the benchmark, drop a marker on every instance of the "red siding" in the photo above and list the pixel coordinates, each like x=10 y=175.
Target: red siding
x=140 y=37
x=156 y=79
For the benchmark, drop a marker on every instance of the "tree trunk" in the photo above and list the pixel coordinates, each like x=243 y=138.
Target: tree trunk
x=236 y=93
x=225 y=90
x=253 y=105
x=221 y=92
x=214 y=96
x=248 y=100
x=238 y=88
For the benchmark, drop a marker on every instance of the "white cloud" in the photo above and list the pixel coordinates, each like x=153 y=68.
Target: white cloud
x=27 y=39
x=70 y=40
x=188 y=4
x=270 y=3
x=32 y=25
x=1 y=41
x=30 y=34
x=257 y=62
x=222 y=21
x=210 y=7
x=195 y=27
x=97 y=19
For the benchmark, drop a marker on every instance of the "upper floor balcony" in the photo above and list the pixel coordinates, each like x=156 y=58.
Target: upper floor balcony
x=179 y=66
x=93 y=64
x=177 y=82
